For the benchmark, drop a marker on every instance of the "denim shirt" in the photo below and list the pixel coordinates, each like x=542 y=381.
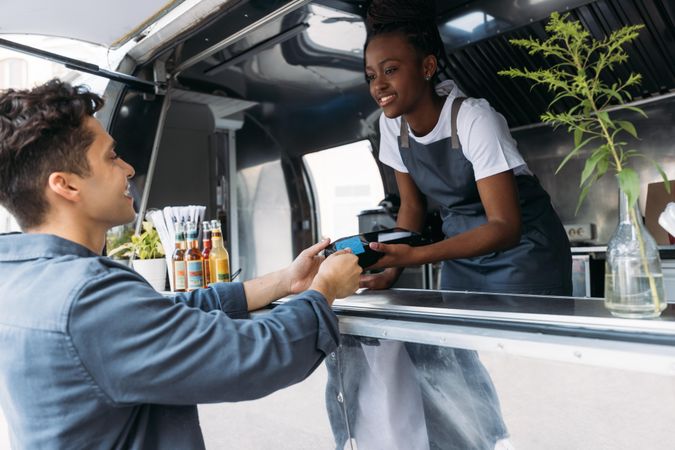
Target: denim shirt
x=92 y=357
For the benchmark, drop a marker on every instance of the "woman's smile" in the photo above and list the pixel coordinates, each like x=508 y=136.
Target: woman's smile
x=386 y=100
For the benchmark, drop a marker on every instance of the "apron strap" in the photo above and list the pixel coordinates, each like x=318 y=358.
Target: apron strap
x=456 y=103
x=405 y=139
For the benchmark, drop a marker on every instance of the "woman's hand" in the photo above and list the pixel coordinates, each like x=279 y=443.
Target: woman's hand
x=395 y=255
x=382 y=280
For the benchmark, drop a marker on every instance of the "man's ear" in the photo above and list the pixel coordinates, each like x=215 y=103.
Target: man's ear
x=64 y=185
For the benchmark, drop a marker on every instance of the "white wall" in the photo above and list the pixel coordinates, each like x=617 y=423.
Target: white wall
x=7 y=223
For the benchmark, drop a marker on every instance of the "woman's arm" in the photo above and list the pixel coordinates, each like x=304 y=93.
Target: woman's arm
x=411 y=216
x=413 y=204
x=499 y=195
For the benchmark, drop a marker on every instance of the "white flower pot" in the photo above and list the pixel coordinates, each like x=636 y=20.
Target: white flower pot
x=153 y=270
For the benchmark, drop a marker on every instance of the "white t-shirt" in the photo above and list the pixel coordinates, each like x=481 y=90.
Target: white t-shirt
x=482 y=131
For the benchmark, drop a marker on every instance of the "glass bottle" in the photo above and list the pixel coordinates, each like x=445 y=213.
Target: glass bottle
x=633 y=276
x=206 y=250
x=178 y=271
x=194 y=259
x=219 y=259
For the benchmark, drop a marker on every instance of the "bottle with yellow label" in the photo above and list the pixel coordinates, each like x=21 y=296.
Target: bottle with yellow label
x=219 y=259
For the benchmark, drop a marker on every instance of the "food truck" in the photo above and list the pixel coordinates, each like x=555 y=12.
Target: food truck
x=259 y=111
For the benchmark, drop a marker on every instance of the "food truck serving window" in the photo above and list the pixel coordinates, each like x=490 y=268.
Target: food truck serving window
x=345 y=181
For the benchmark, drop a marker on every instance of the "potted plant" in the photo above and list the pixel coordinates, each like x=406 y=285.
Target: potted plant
x=146 y=254
x=116 y=237
x=633 y=277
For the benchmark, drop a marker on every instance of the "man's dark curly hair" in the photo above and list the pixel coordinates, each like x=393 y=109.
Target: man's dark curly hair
x=416 y=19
x=41 y=131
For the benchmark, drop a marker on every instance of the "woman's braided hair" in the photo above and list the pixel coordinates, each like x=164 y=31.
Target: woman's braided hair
x=416 y=19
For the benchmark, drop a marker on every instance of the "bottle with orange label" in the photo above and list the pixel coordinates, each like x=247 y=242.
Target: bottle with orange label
x=178 y=271
x=194 y=261
x=219 y=259
x=206 y=250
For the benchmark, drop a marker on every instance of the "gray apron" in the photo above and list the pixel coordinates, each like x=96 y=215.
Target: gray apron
x=541 y=263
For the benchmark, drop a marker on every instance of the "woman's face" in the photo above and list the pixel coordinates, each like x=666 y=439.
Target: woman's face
x=396 y=74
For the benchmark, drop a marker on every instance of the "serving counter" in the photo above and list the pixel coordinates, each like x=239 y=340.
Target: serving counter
x=463 y=370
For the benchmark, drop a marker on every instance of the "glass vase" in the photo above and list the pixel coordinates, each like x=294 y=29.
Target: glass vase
x=633 y=276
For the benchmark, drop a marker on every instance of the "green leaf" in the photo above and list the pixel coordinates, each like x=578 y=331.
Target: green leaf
x=123 y=250
x=664 y=177
x=147 y=226
x=637 y=110
x=629 y=182
x=591 y=162
x=578 y=134
x=603 y=116
x=666 y=182
x=574 y=151
x=629 y=127
x=582 y=197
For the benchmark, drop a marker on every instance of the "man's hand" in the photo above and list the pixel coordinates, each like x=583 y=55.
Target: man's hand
x=303 y=269
x=338 y=276
x=382 y=280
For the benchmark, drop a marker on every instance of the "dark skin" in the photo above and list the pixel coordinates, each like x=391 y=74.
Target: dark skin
x=397 y=79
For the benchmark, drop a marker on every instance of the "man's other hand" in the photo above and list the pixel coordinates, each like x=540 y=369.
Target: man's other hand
x=338 y=276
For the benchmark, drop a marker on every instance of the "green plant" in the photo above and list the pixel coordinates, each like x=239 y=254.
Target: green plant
x=144 y=246
x=577 y=76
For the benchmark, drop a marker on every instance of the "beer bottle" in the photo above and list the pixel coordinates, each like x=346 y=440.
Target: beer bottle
x=194 y=259
x=219 y=259
x=206 y=250
x=178 y=271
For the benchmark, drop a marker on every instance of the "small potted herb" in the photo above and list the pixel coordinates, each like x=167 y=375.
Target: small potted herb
x=147 y=255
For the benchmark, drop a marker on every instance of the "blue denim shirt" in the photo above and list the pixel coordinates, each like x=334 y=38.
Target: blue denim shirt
x=92 y=357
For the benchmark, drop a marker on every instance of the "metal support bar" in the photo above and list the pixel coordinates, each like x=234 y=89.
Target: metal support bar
x=291 y=6
x=153 y=160
x=232 y=192
x=264 y=45
x=644 y=101
x=75 y=64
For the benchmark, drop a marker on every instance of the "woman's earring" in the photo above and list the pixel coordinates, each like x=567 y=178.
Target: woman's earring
x=427 y=78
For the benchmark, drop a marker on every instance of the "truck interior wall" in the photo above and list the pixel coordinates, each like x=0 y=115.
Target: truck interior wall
x=185 y=159
x=544 y=149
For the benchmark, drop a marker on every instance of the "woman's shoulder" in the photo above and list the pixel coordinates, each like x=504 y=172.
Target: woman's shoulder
x=390 y=126
x=474 y=107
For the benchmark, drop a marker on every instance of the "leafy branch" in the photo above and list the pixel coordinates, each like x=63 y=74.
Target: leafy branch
x=581 y=60
x=147 y=245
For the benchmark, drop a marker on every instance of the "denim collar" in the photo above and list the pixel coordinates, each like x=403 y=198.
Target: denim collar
x=26 y=246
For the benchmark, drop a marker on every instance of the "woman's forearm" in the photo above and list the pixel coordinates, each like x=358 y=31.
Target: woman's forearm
x=491 y=237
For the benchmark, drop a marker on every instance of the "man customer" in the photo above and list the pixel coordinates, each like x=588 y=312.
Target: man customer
x=92 y=356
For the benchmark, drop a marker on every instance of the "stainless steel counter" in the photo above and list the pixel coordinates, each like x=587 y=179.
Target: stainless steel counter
x=665 y=251
x=580 y=317
x=469 y=368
